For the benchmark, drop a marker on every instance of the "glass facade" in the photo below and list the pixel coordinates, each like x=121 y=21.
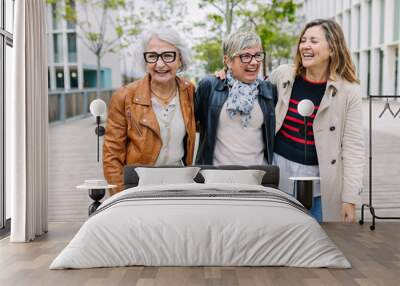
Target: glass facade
x=396 y=30
x=358 y=13
x=58 y=48
x=73 y=78
x=71 y=25
x=9 y=18
x=349 y=37
x=369 y=73
x=55 y=18
x=382 y=22
x=369 y=9
x=381 y=55
x=71 y=39
x=396 y=72
x=59 y=78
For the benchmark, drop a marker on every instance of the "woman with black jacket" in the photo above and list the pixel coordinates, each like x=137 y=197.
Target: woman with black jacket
x=236 y=115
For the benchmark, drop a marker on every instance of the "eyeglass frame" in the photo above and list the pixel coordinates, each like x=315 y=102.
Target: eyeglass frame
x=159 y=56
x=252 y=56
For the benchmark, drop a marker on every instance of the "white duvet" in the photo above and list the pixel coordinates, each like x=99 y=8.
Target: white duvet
x=183 y=231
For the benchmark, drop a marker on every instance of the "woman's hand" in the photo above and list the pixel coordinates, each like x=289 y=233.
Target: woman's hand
x=348 y=212
x=221 y=74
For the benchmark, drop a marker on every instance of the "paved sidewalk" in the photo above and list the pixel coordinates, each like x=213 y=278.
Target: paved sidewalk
x=72 y=159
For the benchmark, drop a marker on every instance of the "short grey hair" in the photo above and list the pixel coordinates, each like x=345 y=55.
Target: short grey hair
x=238 y=41
x=166 y=34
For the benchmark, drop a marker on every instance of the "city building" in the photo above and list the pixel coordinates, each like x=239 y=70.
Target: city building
x=372 y=31
x=71 y=64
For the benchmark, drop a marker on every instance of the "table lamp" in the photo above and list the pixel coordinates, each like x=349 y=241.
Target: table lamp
x=304 y=185
x=98 y=108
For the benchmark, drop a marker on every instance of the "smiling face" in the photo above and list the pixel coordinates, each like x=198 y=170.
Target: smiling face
x=160 y=71
x=245 y=72
x=314 y=49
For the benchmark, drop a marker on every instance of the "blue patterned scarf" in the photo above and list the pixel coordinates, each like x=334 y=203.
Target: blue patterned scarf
x=241 y=98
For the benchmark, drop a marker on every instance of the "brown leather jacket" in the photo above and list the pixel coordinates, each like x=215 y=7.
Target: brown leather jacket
x=133 y=133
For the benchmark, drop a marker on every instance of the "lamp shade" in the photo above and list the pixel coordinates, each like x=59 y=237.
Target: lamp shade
x=98 y=107
x=305 y=107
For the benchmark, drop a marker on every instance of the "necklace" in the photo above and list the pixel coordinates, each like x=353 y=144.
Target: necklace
x=164 y=99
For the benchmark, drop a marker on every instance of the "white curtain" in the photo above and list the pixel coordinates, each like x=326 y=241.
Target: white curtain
x=27 y=123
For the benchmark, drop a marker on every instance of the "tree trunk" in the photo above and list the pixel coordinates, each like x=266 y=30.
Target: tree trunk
x=229 y=17
x=264 y=62
x=98 y=83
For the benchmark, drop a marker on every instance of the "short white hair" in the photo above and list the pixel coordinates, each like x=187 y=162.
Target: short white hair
x=166 y=34
x=238 y=41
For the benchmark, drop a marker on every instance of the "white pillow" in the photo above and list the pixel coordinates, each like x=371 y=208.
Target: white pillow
x=248 y=177
x=165 y=176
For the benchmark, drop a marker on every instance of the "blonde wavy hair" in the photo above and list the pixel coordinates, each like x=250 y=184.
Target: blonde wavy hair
x=340 y=61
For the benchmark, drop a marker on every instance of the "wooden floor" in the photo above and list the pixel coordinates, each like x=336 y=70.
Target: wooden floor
x=374 y=255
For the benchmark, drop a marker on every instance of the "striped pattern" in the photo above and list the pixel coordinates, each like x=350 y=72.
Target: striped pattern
x=290 y=139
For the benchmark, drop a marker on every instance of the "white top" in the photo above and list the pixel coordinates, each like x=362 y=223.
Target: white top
x=237 y=145
x=172 y=129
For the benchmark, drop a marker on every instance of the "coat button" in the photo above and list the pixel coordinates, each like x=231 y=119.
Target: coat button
x=333 y=161
x=332 y=128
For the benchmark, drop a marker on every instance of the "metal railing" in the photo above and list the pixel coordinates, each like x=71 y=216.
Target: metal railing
x=73 y=103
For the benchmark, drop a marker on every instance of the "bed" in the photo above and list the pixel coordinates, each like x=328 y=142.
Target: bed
x=201 y=223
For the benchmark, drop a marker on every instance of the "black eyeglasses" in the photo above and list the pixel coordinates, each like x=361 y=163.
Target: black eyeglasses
x=247 y=58
x=152 y=57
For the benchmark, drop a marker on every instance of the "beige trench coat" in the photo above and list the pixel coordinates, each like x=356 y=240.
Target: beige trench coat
x=338 y=136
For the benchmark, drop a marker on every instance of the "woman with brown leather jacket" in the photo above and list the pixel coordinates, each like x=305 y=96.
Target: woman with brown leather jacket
x=151 y=121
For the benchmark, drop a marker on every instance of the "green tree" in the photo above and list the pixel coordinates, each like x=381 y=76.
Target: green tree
x=210 y=52
x=225 y=13
x=92 y=26
x=152 y=13
x=268 y=19
x=274 y=24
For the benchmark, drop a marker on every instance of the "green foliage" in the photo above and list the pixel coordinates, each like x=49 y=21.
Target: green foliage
x=210 y=52
x=93 y=36
x=270 y=19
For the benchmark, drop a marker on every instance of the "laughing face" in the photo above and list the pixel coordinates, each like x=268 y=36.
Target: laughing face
x=162 y=71
x=314 y=48
x=245 y=72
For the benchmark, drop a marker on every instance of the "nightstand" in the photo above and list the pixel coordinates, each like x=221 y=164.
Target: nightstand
x=303 y=190
x=96 y=193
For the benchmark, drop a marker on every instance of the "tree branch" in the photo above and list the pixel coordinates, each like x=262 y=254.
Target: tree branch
x=218 y=8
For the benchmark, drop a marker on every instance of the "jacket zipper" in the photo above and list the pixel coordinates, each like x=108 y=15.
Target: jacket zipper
x=134 y=123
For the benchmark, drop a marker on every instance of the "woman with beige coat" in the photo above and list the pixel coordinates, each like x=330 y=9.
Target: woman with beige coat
x=323 y=73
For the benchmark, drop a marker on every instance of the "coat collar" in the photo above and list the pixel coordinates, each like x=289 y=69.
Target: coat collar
x=143 y=92
x=288 y=78
x=222 y=85
x=287 y=81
